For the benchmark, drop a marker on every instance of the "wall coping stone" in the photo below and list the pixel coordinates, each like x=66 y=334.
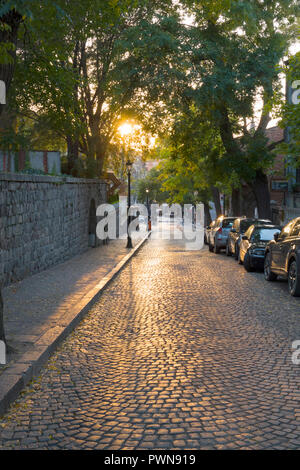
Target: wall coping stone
x=22 y=177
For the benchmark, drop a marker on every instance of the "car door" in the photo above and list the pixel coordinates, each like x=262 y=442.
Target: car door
x=209 y=229
x=233 y=235
x=280 y=248
x=290 y=244
x=244 y=245
x=214 y=231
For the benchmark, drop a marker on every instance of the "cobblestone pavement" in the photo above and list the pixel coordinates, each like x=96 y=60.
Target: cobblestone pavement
x=185 y=350
x=38 y=302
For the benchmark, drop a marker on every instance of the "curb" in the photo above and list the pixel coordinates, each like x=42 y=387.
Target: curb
x=16 y=377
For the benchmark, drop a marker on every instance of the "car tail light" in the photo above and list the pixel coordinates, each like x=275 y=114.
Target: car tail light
x=219 y=232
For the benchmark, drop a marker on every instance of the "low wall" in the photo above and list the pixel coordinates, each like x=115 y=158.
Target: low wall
x=45 y=220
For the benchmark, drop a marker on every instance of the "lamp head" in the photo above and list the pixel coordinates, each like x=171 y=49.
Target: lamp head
x=129 y=166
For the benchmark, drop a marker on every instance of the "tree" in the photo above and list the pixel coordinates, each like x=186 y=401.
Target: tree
x=193 y=161
x=229 y=59
x=13 y=13
x=237 y=47
x=88 y=73
x=152 y=183
x=290 y=113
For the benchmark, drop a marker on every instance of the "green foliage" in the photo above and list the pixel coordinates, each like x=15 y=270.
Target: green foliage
x=234 y=49
x=291 y=115
x=153 y=183
x=80 y=76
x=193 y=159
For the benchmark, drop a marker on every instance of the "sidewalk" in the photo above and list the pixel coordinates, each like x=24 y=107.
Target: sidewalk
x=41 y=310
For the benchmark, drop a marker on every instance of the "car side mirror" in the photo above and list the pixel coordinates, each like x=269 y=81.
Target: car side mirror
x=244 y=237
x=276 y=236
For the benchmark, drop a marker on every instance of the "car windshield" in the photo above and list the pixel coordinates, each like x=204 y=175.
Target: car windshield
x=263 y=234
x=227 y=223
x=245 y=224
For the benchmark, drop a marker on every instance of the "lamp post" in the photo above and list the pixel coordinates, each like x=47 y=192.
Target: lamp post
x=196 y=193
x=147 y=203
x=129 y=167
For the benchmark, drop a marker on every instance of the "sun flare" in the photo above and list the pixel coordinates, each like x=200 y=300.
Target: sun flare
x=125 y=129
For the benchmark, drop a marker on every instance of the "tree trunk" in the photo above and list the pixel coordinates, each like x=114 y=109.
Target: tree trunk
x=217 y=202
x=2 y=333
x=236 y=202
x=207 y=216
x=73 y=155
x=261 y=192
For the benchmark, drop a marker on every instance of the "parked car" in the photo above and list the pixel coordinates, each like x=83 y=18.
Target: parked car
x=217 y=237
x=207 y=231
x=253 y=245
x=239 y=227
x=282 y=256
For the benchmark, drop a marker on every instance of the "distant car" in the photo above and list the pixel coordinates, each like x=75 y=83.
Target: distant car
x=207 y=231
x=239 y=227
x=217 y=237
x=253 y=245
x=282 y=257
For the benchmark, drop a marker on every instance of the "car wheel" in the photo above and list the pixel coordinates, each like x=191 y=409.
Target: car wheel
x=228 y=252
x=236 y=252
x=247 y=264
x=216 y=248
x=269 y=276
x=294 y=279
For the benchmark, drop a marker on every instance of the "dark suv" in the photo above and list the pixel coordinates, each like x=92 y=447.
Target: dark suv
x=282 y=256
x=240 y=226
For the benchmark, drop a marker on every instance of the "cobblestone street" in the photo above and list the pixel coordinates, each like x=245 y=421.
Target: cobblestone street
x=184 y=350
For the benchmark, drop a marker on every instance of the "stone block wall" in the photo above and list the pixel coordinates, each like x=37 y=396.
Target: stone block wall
x=45 y=220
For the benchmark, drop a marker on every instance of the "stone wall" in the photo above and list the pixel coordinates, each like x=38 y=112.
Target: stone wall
x=45 y=220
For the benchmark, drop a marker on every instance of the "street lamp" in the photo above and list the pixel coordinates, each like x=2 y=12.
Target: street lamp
x=147 y=192
x=129 y=168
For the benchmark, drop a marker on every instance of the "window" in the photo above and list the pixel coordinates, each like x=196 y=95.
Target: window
x=285 y=232
x=227 y=223
x=263 y=234
x=245 y=224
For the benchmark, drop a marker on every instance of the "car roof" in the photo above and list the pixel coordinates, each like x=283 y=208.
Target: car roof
x=258 y=220
x=266 y=226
